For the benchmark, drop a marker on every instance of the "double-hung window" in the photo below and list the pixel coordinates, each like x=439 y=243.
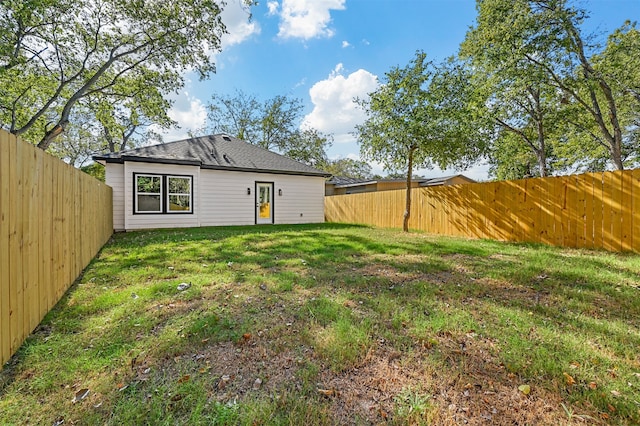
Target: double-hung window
x=148 y=194
x=163 y=193
x=179 y=193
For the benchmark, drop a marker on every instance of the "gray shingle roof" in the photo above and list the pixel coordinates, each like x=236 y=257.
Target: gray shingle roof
x=220 y=152
x=346 y=180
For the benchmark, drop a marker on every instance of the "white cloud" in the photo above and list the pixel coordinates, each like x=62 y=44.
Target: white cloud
x=235 y=17
x=306 y=19
x=191 y=115
x=345 y=43
x=273 y=7
x=334 y=108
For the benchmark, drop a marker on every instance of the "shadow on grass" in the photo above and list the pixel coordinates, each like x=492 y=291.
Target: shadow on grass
x=344 y=288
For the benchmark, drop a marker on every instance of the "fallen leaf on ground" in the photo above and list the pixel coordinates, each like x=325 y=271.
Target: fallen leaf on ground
x=184 y=378
x=615 y=393
x=383 y=414
x=80 y=395
x=183 y=286
x=327 y=392
x=525 y=389
x=223 y=381
x=593 y=385
x=570 y=380
x=257 y=384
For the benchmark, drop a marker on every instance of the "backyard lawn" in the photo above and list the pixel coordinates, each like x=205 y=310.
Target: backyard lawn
x=334 y=324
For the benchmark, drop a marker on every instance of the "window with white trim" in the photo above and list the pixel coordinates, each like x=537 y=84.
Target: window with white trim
x=162 y=193
x=148 y=194
x=179 y=193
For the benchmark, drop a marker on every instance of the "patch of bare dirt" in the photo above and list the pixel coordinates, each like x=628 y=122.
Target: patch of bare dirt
x=396 y=277
x=460 y=375
x=480 y=392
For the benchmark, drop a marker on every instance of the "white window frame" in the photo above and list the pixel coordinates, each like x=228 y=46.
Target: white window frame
x=136 y=209
x=188 y=194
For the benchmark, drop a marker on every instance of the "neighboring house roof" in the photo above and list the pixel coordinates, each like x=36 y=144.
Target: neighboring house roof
x=220 y=152
x=345 y=182
x=444 y=179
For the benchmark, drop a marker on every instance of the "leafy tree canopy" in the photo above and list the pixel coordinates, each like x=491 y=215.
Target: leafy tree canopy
x=412 y=122
x=56 y=54
x=347 y=167
x=555 y=88
x=273 y=124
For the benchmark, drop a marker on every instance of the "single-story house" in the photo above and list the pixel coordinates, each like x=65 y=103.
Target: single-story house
x=209 y=181
x=338 y=185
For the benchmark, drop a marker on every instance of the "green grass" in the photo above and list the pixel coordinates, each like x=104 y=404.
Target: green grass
x=333 y=324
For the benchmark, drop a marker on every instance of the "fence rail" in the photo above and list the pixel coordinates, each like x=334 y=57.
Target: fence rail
x=53 y=221
x=592 y=210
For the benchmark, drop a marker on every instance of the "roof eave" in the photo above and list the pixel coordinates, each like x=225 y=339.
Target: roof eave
x=280 y=172
x=186 y=162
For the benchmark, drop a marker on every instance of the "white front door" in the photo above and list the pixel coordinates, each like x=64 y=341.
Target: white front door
x=264 y=202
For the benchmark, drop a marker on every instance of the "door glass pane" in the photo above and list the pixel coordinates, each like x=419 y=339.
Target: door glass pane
x=265 y=205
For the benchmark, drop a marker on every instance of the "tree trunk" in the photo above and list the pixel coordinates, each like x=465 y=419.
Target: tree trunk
x=52 y=134
x=616 y=155
x=407 y=211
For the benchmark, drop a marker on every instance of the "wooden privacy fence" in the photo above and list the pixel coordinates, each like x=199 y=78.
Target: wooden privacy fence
x=53 y=221
x=592 y=210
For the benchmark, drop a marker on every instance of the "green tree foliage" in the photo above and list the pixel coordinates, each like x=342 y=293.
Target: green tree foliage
x=520 y=100
x=554 y=86
x=272 y=124
x=57 y=53
x=411 y=123
x=308 y=146
x=96 y=170
x=347 y=167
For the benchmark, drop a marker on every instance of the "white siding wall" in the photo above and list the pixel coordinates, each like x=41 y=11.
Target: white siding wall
x=302 y=199
x=224 y=199
x=114 y=177
x=219 y=197
x=176 y=220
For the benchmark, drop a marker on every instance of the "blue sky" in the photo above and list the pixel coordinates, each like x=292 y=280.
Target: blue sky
x=328 y=52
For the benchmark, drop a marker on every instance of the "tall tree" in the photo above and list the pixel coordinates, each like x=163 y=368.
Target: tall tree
x=409 y=123
x=272 y=124
x=237 y=115
x=546 y=40
x=520 y=100
x=57 y=52
x=127 y=112
x=347 y=167
x=308 y=146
